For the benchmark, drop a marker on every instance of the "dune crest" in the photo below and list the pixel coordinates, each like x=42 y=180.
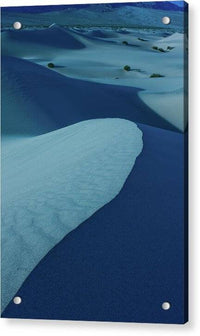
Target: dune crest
x=39 y=41
x=53 y=183
x=160 y=102
x=38 y=100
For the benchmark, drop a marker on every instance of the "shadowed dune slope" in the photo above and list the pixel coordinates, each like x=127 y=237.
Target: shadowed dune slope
x=54 y=36
x=125 y=259
x=37 y=100
x=53 y=182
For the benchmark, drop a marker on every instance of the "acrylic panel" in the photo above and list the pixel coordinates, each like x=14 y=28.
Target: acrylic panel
x=94 y=162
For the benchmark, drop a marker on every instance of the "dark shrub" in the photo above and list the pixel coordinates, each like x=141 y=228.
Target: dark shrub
x=158 y=49
x=50 y=65
x=141 y=39
x=161 y=50
x=125 y=42
x=170 y=48
x=155 y=75
x=127 y=68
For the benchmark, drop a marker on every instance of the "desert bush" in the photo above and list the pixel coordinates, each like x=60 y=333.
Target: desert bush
x=161 y=50
x=50 y=65
x=158 y=49
x=170 y=48
x=141 y=39
x=155 y=75
x=127 y=68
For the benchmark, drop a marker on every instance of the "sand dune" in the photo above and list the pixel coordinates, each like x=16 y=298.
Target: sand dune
x=41 y=100
x=103 y=245
x=94 y=140
x=99 y=55
x=175 y=40
x=100 y=33
x=54 y=182
x=39 y=42
x=160 y=103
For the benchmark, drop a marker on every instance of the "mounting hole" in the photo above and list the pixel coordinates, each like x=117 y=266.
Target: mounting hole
x=17 y=25
x=166 y=20
x=17 y=300
x=166 y=306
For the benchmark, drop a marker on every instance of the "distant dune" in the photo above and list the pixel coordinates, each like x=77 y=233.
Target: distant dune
x=44 y=100
x=29 y=42
x=99 y=56
x=100 y=33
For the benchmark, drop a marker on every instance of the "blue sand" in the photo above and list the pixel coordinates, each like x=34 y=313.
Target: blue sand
x=54 y=182
x=125 y=260
x=51 y=37
x=72 y=101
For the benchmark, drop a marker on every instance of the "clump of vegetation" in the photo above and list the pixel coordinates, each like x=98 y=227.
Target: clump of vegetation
x=170 y=48
x=50 y=65
x=141 y=39
x=125 y=42
x=161 y=50
x=155 y=75
x=158 y=49
x=127 y=68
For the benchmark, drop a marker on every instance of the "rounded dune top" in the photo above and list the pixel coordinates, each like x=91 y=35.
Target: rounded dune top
x=54 y=183
x=124 y=133
x=100 y=33
x=175 y=40
x=54 y=36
